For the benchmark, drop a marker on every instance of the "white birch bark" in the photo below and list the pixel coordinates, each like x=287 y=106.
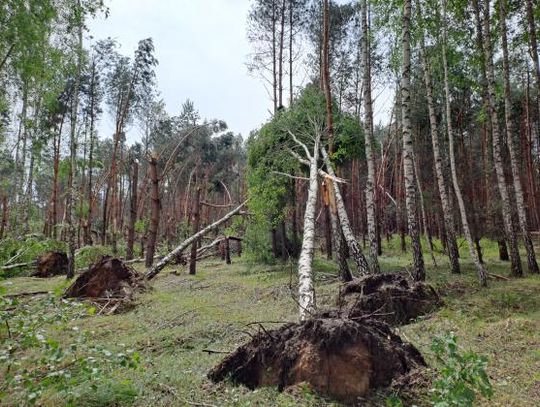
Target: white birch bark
x=354 y=247
x=457 y=189
x=419 y=272
x=497 y=154
x=368 y=141
x=518 y=190
x=306 y=291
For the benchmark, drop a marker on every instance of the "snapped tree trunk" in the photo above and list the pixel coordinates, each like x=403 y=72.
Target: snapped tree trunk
x=154 y=271
x=352 y=243
x=306 y=290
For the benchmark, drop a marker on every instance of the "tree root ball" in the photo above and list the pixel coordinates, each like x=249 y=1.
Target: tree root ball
x=390 y=297
x=338 y=357
x=107 y=278
x=51 y=264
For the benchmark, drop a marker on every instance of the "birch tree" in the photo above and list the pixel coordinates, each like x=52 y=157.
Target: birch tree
x=418 y=271
x=518 y=190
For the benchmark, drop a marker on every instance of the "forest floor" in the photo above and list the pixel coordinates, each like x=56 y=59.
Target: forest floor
x=182 y=325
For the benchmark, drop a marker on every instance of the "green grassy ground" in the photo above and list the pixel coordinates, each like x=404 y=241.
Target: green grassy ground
x=178 y=325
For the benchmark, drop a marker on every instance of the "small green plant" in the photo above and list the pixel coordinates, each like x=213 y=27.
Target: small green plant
x=41 y=349
x=462 y=374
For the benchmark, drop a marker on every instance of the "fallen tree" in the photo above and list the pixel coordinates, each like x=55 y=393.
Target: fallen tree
x=154 y=271
x=338 y=357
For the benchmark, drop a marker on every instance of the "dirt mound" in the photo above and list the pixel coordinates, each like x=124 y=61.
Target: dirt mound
x=51 y=264
x=107 y=278
x=338 y=357
x=390 y=297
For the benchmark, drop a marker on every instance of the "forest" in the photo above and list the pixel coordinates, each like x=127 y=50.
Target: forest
x=372 y=242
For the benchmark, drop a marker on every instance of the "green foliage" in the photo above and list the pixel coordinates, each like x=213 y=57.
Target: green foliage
x=88 y=255
x=268 y=155
x=35 y=357
x=462 y=374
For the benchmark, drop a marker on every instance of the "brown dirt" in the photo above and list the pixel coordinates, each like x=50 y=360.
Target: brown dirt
x=107 y=278
x=390 y=297
x=51 y=264
x=337 y=357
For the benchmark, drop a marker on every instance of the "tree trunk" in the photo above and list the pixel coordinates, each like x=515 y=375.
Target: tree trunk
x=306 y=290
x=154 y=271
x=497 y=153
x=446 y=201
x=418 y=272
x=3 y=225
x=482 y=275
x=227 y=251
x=73 y=155
x=369 y=141
x=154 y=217
x=281 y=50
x=327 y=222
x=518 y=190
x=536 y=65
x=195 y=213
x=503 y=250
x=352 y=243
x=133 y=210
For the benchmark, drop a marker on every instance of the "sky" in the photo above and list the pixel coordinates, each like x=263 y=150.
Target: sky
x=202 y=49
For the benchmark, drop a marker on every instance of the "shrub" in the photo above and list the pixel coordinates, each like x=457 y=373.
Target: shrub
x=462 y=374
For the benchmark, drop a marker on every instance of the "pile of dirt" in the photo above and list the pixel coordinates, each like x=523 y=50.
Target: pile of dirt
x=338 y=357
x=50 y=264
x=108 y=278
x=390 y=297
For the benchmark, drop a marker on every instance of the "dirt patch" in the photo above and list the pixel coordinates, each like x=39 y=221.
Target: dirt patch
x=338 y=357
x=390 y=297
x=108 y=278
x=51 y=264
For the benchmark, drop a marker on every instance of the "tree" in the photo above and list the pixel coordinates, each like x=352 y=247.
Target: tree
x=408 y=150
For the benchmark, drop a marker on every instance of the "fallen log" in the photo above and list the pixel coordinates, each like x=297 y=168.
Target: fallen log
x=154 y=271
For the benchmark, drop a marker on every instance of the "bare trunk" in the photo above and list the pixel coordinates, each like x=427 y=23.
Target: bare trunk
x=3 y=225
x=352 y=243
x=418 y=272
x=446 y=201
x=518 y=190
x=369 y=144
x=482 y=275
x=154 y=217
x=536 y=66
x=306 y=290
x=195 y=228
x=154 y=271
x=133 y=210
x=497 y=153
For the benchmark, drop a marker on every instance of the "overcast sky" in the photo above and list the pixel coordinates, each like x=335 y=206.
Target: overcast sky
x=202 y=48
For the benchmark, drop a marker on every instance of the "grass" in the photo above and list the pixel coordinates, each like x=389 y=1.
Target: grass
x=178 y=325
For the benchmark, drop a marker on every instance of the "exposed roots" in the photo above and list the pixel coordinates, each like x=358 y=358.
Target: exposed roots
x=51 y=264
x=390 y=297
x=338 y=357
